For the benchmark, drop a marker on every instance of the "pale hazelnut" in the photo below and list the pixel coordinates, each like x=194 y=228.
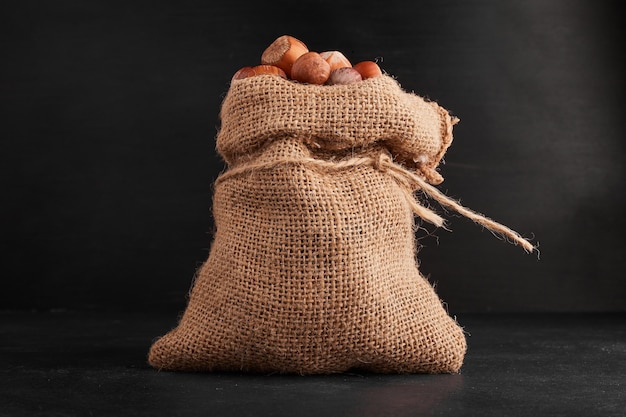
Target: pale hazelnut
x=335 y=59
x=344 y=75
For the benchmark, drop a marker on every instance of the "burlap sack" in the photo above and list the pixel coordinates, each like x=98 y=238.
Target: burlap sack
x=312 y=268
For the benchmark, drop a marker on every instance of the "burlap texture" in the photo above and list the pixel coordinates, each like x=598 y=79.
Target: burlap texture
x=335 y=118
x=312 y=267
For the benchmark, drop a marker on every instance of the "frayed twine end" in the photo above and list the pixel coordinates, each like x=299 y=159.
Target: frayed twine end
x=403 y=175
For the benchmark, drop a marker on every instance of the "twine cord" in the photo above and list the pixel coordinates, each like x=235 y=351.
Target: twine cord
x=403 y=176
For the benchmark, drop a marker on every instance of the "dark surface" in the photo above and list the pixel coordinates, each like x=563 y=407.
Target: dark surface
x=108 y=113
x=76 y=364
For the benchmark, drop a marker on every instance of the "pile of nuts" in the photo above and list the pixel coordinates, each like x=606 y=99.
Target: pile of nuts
x=290 y=59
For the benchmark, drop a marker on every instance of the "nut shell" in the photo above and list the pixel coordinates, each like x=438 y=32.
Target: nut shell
x=335 y=59
x=242 y=73
x=344 y=75
x=283 y=52
x=368 y=69
x=268 y=69
x=246 y=72
x=311 y=68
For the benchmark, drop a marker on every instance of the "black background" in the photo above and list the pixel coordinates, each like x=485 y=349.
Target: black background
x=110 y=110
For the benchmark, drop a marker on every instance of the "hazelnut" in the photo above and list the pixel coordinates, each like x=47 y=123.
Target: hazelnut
x=336 y=59
x=246 y=72
x=268 y=69
x=310 y=68
x=368 y=69
x=242 y=73
x=344 y=75
x=283 y=52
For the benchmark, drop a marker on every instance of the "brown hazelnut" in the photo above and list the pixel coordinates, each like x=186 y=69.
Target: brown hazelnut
x=368 y=69
x=283 y=52
x=242 y=73
x=310 y=68
x=246 y=72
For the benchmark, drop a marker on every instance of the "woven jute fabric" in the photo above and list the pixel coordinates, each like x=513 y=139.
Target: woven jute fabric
x=313 y=265
x=335 y=118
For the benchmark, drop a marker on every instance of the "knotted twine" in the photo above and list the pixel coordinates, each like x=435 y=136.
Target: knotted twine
x=408 y=179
